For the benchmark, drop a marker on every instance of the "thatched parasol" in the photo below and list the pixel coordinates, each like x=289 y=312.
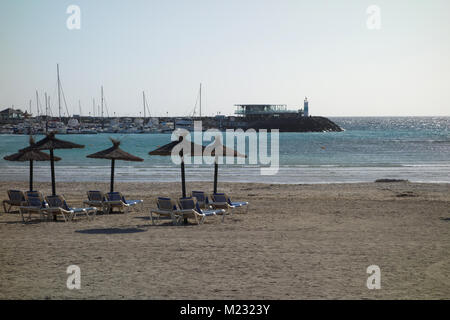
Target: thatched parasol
x=114 y=153
x=51 y=143
x=30 y=155
x=166 y=150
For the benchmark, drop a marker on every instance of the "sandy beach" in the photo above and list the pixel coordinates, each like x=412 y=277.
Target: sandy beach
x=295 y=242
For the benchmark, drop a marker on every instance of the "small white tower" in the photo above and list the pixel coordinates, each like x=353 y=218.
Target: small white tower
x=305 y=108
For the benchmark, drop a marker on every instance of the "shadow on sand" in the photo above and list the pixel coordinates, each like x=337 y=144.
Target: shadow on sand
x=111 y=231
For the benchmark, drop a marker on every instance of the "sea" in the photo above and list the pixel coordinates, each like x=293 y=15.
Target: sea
x=411 y=148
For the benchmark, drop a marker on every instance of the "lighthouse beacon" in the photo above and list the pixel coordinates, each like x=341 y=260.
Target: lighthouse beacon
x=305 y=108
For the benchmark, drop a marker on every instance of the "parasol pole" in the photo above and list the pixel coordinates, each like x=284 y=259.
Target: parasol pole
x=31 y=175
x=183 y=180
x=216 y=169
x=52 y=168
x=112 y=175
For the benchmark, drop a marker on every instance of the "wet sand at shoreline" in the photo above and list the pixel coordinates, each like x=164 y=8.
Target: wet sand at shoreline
x=295 y=242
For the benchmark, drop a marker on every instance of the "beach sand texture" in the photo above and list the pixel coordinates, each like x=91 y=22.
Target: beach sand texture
x=296 y=242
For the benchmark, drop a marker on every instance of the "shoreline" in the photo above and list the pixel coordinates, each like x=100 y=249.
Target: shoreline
x=285 y=175
x=209 y=183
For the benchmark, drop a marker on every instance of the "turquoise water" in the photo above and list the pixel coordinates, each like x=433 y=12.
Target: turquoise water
x=411 y=148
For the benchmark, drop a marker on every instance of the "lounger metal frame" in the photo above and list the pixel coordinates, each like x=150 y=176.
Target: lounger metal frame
x=55 y=209
x=167 y=208
x=13 y=202
x=26 y=207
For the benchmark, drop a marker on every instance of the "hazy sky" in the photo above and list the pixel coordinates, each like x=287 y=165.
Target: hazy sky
x=243 y=51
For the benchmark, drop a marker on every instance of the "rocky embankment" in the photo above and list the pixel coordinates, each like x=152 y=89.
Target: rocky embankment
x=301 y=124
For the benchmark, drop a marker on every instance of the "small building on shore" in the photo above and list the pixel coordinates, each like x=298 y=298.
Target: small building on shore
x=266 y=111
x=13 y=114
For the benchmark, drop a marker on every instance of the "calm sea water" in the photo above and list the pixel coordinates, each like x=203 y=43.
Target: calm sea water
x=413 y=148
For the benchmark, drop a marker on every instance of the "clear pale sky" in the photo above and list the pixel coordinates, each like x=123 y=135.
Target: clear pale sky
x=243 y=51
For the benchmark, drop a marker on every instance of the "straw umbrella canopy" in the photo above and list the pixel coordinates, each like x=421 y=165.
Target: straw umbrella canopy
x=51 y=143
x=30 y=155
x=166 y=150
x=114 y=153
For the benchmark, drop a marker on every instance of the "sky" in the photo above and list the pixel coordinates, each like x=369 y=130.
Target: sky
x=242 y=51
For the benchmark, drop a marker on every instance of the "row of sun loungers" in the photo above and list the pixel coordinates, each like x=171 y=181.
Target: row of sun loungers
x=107 y=202
x=33 y=202
x=197 y=207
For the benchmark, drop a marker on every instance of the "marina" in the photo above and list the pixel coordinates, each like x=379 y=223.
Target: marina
x=246 y=116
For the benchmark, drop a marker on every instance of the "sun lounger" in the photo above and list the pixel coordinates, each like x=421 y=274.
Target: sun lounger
x=96 y=199
x=58 y=205
x=190 y=209
x=166 y=208
x=16 y=198
x=114 y=200
x=134 y=202
x=34 y=203
x=201 y=198
x=221 y=200
x=203 y=202
x=117 y=200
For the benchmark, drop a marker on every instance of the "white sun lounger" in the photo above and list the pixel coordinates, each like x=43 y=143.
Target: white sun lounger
x=167 y=209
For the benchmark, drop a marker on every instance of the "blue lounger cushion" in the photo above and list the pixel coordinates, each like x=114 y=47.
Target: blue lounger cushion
x=237 y=204
x=205 y=212
x=132 y=202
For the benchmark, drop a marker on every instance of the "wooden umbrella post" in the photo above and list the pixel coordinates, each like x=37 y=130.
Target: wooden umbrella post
x=216 y=169
x=111 y=189
x=31 y=175
x=183 y=180
x=52 y=168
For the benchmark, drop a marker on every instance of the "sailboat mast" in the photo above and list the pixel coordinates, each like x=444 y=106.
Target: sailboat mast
x=143 y=99
x=46 y=108
x=200 y=99
x=79 y=106
x=37 y=103
x=103 y=122
x=30 y=123
x=46 y=114
x=59 y=92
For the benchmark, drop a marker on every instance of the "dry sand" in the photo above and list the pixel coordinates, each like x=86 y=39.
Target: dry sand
x=296 y=242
